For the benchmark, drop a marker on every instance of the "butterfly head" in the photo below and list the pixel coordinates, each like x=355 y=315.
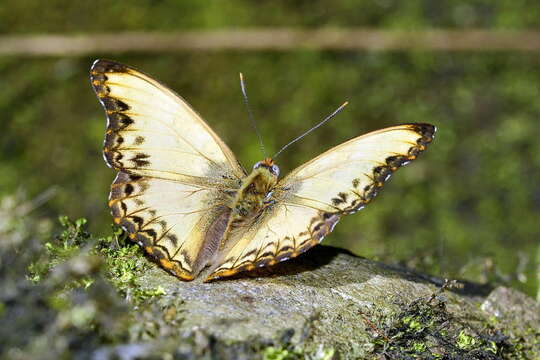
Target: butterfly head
x=269 y=165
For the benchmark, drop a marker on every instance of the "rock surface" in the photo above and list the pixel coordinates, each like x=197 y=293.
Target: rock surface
x=328 y=298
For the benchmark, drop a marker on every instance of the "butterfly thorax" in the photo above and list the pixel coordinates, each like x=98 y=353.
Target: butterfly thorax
x=253 y=196
x=255 y=193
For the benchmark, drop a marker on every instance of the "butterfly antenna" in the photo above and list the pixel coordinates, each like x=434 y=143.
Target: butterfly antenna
x=313 y=128
x=250 y=114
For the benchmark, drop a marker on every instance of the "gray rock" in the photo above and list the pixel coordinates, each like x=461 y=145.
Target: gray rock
x=330 y=299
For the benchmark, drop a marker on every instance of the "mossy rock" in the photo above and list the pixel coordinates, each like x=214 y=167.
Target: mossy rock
x=82 y=297
x=353 y=307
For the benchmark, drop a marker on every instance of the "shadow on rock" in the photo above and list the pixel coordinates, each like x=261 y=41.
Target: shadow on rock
x=315 y=259
x=323 y=262
x=467 y=288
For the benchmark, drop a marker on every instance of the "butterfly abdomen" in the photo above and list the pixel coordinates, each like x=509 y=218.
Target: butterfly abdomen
x=212 y=240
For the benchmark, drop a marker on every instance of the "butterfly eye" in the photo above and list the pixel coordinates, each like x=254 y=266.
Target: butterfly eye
x=257 y=165
x=275 y=170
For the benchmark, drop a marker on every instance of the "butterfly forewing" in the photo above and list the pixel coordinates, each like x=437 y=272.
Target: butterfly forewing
x=153 y=132
x=347 y=177
x=310 y=201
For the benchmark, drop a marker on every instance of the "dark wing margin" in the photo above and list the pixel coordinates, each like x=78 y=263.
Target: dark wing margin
x=349 y=205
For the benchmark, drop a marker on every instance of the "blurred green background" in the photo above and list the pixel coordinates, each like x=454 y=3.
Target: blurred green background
x=468 y=208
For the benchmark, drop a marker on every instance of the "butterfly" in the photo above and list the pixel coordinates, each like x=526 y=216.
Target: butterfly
x=184 y=197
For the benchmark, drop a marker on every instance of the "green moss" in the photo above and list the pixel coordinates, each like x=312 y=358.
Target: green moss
x=122 y=260
x=65 y=308
x=62 y=247
x=414 y=323
x=425 y=328
x=286 y=352
x=418 y=347
x=279 y=353
x=124 y=263
x=465 y=341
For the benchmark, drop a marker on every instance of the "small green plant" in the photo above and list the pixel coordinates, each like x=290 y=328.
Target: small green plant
x=62 y=247
x=124 y=261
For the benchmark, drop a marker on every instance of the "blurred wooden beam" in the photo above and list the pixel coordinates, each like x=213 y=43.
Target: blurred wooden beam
x=270 y=39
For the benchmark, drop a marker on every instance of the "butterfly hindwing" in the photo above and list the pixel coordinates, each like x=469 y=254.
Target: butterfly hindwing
x=283 y=232
x=310 y=201
x=172 y=221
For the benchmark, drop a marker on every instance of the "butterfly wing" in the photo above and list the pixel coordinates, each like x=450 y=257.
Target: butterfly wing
x=151 y=131
x=310 y=201
x=175 y=172
x=178 y=224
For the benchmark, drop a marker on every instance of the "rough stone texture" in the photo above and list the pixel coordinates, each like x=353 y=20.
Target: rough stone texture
x=325 y=297
x=513 y=307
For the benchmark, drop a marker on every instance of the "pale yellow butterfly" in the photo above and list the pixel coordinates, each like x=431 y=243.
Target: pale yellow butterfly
x=182 y=195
